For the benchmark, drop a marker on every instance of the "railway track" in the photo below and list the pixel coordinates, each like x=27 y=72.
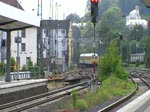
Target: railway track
x=30 y=102
x=139 y=78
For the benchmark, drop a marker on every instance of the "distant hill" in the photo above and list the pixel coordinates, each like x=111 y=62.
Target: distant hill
x=127 y=5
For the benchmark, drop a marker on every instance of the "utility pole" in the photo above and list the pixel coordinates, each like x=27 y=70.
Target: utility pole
x=39 y=12
x=94 y=15
x=18 y=40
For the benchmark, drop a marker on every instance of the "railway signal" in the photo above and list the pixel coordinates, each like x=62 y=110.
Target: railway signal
x=94 y=10
x=94 y=15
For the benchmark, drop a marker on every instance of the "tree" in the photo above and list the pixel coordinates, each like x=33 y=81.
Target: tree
x=30 y=66
x=126 y=8
x=87 y=31
x=145 y=42
x=110 y=63
x=76 y=36
x=104 y=5
x=87 y=17
x=132 y=46
x=13 y=62
x=74 y=18
x=2 y=68
x=125 y=51
x=111 y=25
x=137 y=33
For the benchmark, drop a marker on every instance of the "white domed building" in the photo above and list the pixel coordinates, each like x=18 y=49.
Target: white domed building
x=134 y=19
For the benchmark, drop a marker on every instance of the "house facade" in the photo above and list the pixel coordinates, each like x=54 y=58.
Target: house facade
x=57 y=44
x=28 y=36
x=134 y=19
x=2 y=47
x=27 y=46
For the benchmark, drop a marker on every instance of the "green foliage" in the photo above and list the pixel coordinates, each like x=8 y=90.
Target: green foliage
x=2 y=68
x=34 y=70
x=42 y=73
x=137 y=63
x=125 y=51
x=147 y=53
x=132 y=46
x=13 y=62
x=111 y=87
x=137 y=33
x=110 y=63
x=74 y=98
x=126 y=8
x=116 y=86
x=24 y=68
x=111 y=23
x=30 y=66
x=30 y=63
x=82 y=105
x=87 y=31
x=74 y=18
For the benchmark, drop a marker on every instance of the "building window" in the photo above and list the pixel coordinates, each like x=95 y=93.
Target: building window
x=63 y=53
x=63 y=42
x=63 y=31
x=23 y=33
x=23 y=47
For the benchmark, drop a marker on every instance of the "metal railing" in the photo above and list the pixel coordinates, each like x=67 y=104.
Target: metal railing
x=25 y=72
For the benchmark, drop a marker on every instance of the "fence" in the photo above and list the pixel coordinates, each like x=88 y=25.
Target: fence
x=22 y=75
x=25 y=72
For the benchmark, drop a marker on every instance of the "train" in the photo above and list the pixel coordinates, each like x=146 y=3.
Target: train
x=88 y=60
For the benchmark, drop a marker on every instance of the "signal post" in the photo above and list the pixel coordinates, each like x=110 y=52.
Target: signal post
x=94 y=18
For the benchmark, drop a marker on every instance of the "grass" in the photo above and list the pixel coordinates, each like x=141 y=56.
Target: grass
x=134 y=66
x=54 y=85
x=111 y=88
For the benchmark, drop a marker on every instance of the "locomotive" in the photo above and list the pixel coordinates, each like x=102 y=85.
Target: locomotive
x=88 y=59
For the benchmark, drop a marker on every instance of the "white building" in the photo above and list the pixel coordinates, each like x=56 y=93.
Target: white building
x=57 y=44
x=27 y=47
x=2 y=46
x=134 y=19
x=15 y=17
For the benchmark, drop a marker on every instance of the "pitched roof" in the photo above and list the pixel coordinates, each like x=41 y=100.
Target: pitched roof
x=13 y=3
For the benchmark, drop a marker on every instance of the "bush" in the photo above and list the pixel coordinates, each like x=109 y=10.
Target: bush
x=81 y=105
x=110 y=63
x=74 y=98
x=137 y=63
x=13 y=62
x=24 y=68
x=2 y=68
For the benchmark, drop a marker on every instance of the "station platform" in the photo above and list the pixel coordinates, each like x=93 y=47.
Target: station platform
x=16 y=90
x=140 y=104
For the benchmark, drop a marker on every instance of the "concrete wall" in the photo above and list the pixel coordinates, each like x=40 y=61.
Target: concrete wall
x=19 y=92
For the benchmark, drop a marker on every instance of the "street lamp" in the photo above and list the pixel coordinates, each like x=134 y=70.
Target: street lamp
x=18 y=40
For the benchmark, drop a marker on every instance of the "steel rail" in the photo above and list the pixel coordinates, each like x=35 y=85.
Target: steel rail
x=7 y=105
x=117 y=103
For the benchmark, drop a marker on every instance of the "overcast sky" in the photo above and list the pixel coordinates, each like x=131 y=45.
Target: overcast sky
x=65 y=7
